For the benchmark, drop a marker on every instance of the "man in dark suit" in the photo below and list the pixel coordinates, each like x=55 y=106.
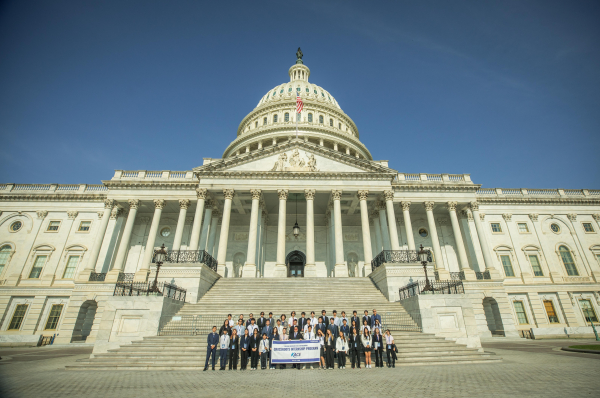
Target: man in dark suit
x=302 y=321
x=294 y=327
x=345 y=328
x=325 y=317
x=296 y=335
x=367 y=318
x=211 y=349
x=321 y=326
x=356 y=319
x=335 y=331
x=268 y=330
x=271 y=320
x=249 y=319
x=261 y=322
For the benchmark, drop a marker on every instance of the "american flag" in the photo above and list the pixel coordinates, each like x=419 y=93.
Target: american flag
x=299 y=103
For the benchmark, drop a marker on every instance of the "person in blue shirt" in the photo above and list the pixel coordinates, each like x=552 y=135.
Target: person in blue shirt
x=375 y=317
x=211 y=349
x=345 y=328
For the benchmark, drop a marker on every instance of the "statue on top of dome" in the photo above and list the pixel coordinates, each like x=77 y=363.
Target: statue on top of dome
x=299 y=56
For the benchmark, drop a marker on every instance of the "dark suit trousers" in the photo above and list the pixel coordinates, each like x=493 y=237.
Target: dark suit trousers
x=223 y=355
x=210 y=351
x=390 y=357
x=341 y=359
x=244 y=360
x=254 y=358
x=233 y=359
x=329 y=357
x=264 y=360
x=355 y=357
x=379 y=357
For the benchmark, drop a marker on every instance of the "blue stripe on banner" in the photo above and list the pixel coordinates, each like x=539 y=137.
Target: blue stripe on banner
x=275 y=342
x=293 y=360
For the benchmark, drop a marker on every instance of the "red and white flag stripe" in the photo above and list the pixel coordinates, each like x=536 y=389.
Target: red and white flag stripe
x=299 y=103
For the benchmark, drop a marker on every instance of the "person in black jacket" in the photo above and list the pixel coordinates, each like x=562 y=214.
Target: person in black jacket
x=355 y=347
x=212 y=341
x=261 y=322
x=356 y=319
x=234 y=347
x=225 y=327
x=244 y=349
x=325 y=317
x=367 y=318
x=378 y=343
x=254 y=347
x=329 y=350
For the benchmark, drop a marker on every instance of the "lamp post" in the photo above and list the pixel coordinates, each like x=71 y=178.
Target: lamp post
x=423 y=254
x=159 y=257
x=296 y=229
x=588 y=314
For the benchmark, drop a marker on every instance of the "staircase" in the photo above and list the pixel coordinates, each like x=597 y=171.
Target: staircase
x=183 y=347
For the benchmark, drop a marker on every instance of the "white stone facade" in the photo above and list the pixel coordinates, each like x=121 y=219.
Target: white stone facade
x=539 y=247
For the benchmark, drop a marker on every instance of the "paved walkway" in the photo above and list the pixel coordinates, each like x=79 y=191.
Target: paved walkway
x=529 y=368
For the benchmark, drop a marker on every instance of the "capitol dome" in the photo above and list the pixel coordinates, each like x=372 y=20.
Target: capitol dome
x=274 y=119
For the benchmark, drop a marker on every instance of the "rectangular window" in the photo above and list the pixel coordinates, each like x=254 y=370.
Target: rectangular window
x=5 y=253
x=588 y=311
x=274 y=118
x=70 y=268
x=84 y=226
x=549 y=306
x=331 y=122
x=535 y=264
x=588 y=227
x=38 y=264
x=265 y=121
x=54 y=316
x=520 y=310
x=508 y=268
x=321 y=119
x=17 y=319
x=53 y=226
x=523 y=228
x=496 y=227
x=256 y=124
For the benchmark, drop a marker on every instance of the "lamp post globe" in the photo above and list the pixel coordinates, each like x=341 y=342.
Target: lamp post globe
x=160 y=255
x=423 y=256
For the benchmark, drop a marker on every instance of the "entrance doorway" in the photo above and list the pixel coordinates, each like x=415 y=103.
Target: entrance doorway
x=295 y=262
x=492 y=316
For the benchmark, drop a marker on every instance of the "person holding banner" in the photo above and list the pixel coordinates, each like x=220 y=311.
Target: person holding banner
x=366 y=343
x=284 y=337
x=264 y=352
x=378 y=347
x=275 y=337
x=389 y=349
x=329 y=349
x=341 y=346
x=244 y=349
x=234 y=343
x=223 y=348
x=321 y=337
x=254 y=347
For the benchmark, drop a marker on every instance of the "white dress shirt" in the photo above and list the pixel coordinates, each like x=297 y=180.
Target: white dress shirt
x=224 y=342
x=231 y=323
x=309 y=335
x=291 y=320
x=314 y=321
x=251 y=329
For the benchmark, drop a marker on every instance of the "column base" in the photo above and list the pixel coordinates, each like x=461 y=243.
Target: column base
x=141 y=275
x=469 y=274
x=280 y=271
x=221 y=269
x=443 y=274
x=341 y=270
x=249 y=271
x=112 y=276
x=310 y=270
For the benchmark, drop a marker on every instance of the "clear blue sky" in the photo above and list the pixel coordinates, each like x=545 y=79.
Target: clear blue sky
x=508 y=91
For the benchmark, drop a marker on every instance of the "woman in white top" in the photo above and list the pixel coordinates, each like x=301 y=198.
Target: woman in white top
x=292 y=318
x=341 y=346
x=365 y=326
x=322 y=345
x=366 y=343
x=308 y=334
x=389 y=349
x=223 y=348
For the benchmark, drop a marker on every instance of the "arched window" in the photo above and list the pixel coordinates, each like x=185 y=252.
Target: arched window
x=310 y=117
x=286 y=117
x=321 y=119
x=264 y=121
x=567 y=259
x=5 y=254
x=274 y=118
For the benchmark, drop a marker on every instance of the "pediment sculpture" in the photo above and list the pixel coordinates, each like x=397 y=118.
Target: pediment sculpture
x=295 y=162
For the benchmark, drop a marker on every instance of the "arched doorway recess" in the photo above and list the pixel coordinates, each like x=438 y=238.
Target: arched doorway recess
x=295 y=262
x=492 y=316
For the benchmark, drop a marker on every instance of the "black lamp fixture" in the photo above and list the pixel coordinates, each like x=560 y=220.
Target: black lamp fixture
x=296 y=229
x=423 y=255
x=160 y=256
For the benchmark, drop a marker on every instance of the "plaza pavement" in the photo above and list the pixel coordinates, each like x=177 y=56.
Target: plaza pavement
x=529 y=368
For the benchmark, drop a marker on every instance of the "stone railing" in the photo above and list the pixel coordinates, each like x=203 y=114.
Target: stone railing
x=404 y=178
x=546 y=193
x=52 y=188
x=435 y=287
x=152 y=175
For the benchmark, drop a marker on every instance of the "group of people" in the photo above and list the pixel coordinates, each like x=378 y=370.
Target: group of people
x=252 y=339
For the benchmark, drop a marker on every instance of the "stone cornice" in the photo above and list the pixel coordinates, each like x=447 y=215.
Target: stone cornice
x=57 y=197
x=423 y=186
x=153 y=184
x=539 y=201
x=292 y=175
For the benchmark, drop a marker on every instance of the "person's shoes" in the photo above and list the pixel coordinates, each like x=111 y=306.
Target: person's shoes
x=213 y=368
x=393 y=365
x=205 y=369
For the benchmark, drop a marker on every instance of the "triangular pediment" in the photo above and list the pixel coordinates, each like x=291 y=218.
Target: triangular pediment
x=294 y=156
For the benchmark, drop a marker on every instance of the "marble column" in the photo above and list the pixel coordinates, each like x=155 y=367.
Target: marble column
x=329 y=222
x=385 y=232
x=207 y=220
x=437 y=250
x=259 y=239
x=366 y=233
x=95 y=253
x=202 y=195
x=113 y=275
x=224 y=237
x=142 y=274
x=483 y=242
x=214 y=224
x=340 y=265
x=389 y=204
x=410 y=239
x=377 y=229
x=460 y=244
x=249 y=270
x=183 y=206
x=311 y=268
x=283 y=195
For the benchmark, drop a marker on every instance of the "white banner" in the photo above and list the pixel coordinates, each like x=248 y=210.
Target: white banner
x=295 y=351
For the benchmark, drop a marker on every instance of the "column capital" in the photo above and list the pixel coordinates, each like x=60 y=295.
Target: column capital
x=572 y=216
x=380 y=205
x=388 y=195
x=202 y=193
x=255 y=193
x=109 y=203
x=451 y=206
x=596 y=217
x=134 y=203
x=428 y=205
x=159 y=203
x=209 y=203
x=362 y=195
x=405 y=206
x=115 y=212
x=72 y=214
x=336 y=194
x=41 y=214
x=467 y=214
x=283 y=194
x=474 y=206
x=309 y=194
x=533 y=216
x=228 y=193
x=507 y=216
x=184 y=203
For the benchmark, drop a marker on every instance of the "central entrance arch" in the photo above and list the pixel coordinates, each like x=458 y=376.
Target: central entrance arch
x=295 y=262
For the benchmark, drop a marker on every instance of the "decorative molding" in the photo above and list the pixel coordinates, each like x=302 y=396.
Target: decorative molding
x=451 y=206
x=144 y=220
x=10 y=197
x=482 y=216
x=159 y=203
x=555 y=200
x=100 y=215
x=202 y=193
x=405 y=206
x=507 y=216
x=255 y=193
x=572 y=216
x=184 y=203
x=362 y=195
x=379 y=205
x=388 y=195
x=336 y=194
x=109 y=203
x=351 y=237
x=443 y=221
x=134 y=203
x=533 y=216
x=309 y=194
x=474 y=206
x=283 y=194
x=41 y=214
x=72 y=214
x=428 y=206
x=229 y=193
x=596 y=217
x=295 y=162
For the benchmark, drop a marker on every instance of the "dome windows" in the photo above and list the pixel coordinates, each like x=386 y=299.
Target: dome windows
x=265 y=121
x=274 y=118
x=289 y=90
x=307 y=90
x=286 y=117
x=256 y=124
x=281 y=92
x=322 y=95
x=316 y=92
x=321 y=119
x=310 y=119
x=331 y=122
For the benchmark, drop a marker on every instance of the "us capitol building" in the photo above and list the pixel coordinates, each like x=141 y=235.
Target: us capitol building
x=528 y=260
